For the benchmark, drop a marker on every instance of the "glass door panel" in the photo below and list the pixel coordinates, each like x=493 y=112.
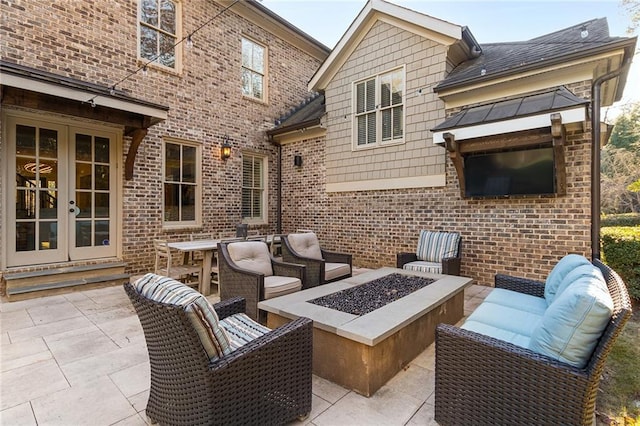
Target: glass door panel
x=35 y=150
x=94 y=208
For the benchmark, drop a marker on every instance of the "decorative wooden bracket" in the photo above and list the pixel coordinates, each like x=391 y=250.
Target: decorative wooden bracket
x=137 y=135
x=456 y=158
x=558 y=135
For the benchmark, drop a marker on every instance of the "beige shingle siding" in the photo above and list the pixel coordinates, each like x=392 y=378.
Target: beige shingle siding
x=384 y=48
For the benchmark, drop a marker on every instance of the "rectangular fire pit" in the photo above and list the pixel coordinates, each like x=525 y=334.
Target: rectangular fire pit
x=362 y=352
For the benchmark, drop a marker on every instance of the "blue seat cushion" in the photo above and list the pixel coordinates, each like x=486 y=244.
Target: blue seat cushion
x=497 y=333
x=509 y=319
x=514 y=299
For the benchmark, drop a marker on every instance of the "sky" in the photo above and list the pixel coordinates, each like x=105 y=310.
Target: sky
x=489 y=21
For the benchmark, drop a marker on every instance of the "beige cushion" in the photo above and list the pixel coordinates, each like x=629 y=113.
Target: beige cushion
x=251 y=255
x=305 y=245
x=276 y=285
x=335 y=270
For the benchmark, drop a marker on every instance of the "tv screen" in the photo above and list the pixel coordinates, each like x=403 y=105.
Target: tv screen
x=522 y=172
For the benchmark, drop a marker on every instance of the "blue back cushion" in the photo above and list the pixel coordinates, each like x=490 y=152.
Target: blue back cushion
x=557 y=274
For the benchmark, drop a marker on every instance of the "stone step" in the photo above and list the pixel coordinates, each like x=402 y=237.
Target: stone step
x=30 y=284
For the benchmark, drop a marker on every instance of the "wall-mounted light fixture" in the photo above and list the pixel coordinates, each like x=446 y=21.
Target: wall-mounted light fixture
x=225 y=149
x=297 y=160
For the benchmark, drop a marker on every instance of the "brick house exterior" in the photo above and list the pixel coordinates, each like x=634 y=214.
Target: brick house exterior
x=79 y=50
x=373 y=202
x=76 y=67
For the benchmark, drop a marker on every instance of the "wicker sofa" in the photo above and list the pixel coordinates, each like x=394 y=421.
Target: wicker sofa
x=493 y=376
x=212 y=365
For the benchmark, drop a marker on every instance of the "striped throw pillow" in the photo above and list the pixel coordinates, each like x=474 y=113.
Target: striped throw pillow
x=241 y=329
x=200 y=312
x=435 y=246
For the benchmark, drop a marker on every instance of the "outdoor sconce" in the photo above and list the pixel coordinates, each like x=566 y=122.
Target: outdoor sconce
x=225 y=150
x=297 y=160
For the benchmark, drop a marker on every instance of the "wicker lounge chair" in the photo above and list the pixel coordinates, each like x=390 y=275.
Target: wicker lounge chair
x=438 y=252
x=485 y=381
x=247 y=270
x=322 y=266
x=266 y=381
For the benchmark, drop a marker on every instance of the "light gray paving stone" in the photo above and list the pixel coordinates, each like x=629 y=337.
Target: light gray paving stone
x=327 y=390
x=104 y=363
x=80 y=346
x=427 y=358
x=4 y=339
x=15 y=320
x=32 y=381
x=386 y=407
x=112 y=314
x=46 y=314
x=139 y=401
x=133 y=380
x=23 y=353
x=20 y=415
x=54 y=330
x=123 y=331
x=97 y=402
x=135 y=420
x=415 y=381
x=31 y=303
x=424 y=416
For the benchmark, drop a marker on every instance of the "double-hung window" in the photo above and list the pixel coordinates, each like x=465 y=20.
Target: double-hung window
x=254 y=193
x=379 y=109
x=158 y=32
x=253 y=69
x=181 y=183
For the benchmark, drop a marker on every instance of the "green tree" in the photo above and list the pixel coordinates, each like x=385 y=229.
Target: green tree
x=633 y=8
x=626 y=130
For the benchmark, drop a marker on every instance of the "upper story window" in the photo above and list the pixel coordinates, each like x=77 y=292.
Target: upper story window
x=253 y=69
x=181 y=184
x=254 y=193
x=159 y=32
x=379 y=109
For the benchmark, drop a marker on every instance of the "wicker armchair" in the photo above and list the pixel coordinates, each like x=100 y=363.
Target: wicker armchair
x=256 y=275
x=485 y=381
x=322 y=266
x=266 y=381
x=444 y=260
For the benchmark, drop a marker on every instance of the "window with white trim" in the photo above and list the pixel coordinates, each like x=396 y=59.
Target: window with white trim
x=254 y=193
x=253 y=69
x=379 y=109
x=158 y=32
x=181 y=179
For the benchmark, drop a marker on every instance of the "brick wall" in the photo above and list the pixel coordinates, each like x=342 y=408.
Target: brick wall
x=521 y=236
x=95 y=41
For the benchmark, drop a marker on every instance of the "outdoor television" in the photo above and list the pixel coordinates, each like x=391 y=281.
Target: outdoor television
x=503 y=173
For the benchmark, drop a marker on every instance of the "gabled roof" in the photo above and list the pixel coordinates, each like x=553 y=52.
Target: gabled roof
x=502 y=59
x=379 y=10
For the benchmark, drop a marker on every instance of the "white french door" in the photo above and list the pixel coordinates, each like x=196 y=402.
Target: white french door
x=61 y=202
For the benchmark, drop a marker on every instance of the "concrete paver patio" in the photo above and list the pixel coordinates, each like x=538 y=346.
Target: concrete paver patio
x=81 y=359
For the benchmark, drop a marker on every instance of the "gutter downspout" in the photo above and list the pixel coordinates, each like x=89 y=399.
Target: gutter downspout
x=279 y=193
x=595 y=156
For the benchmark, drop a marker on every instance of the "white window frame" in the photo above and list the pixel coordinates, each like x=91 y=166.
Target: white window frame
x=177 y=67
x=263 y=161
x=252 y=71
x=197 y=221
x=378 y=110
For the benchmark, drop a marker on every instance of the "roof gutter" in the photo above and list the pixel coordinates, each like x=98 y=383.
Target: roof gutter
x=595 y=154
